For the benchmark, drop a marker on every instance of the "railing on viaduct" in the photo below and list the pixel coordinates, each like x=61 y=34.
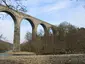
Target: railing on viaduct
x=18 y=17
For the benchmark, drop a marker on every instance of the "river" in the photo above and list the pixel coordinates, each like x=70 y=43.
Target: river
x=3 y=54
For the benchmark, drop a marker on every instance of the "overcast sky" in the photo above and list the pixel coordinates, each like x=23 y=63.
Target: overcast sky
x=51 y=11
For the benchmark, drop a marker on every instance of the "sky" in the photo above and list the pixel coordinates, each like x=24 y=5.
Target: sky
x=51 y=11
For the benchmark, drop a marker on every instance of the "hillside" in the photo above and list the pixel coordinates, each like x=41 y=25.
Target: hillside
x=5 y=46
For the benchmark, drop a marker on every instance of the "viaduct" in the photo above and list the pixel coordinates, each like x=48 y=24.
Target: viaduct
x=18 y=17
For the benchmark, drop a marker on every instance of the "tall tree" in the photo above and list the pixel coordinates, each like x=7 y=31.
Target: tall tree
x=28 y=36
x=64 y=28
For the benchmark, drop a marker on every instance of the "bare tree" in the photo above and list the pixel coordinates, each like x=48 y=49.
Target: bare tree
x=17 y=6
x=2 y=37
x=28 y=36
x=40 y=33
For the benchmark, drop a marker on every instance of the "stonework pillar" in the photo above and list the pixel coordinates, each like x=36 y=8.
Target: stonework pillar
x=34 y=32
x=46 y=31
x=46 y=40
x=16 y=44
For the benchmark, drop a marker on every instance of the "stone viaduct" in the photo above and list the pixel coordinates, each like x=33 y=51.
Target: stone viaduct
x=18 y=17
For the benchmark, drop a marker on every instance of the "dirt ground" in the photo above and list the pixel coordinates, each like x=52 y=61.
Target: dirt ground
x=44 y=59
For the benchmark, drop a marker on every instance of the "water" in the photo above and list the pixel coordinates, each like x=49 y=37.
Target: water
x=3 y=54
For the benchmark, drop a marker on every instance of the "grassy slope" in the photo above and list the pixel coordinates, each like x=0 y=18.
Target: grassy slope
x=5 y=46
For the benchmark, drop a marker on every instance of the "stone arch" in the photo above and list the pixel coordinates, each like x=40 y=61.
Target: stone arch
x=11 y=14
x=30 y=21
x=44 y=27
x=32 y=25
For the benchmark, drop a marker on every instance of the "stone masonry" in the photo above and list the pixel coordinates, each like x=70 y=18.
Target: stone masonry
x=18 y=17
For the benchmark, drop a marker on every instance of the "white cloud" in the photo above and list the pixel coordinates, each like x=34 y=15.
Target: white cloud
x=75 y=16
x=56 y=6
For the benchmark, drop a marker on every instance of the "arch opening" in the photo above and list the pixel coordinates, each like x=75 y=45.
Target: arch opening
x=31 y=22
x=7 y=26
x=41 y=30
x=12 y=15
x=26 y=27
x=50 y=31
